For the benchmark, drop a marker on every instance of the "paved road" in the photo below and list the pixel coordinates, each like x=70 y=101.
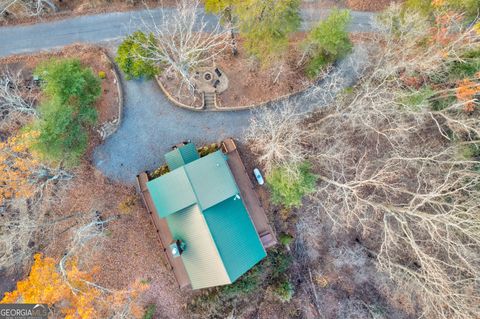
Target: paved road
x=111 y=26
x=151 y=125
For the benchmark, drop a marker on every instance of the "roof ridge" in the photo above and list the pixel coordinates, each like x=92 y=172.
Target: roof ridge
x=193 y=188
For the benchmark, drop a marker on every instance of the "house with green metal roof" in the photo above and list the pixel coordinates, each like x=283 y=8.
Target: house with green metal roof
x=202 y=205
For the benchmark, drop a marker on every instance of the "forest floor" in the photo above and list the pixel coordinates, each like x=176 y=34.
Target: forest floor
x=92 y=56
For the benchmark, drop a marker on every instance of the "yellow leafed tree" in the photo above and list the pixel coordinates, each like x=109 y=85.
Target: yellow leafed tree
x=73 y=293
x=21 y=173
x=17 y=167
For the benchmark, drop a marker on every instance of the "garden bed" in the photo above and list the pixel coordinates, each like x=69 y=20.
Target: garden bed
x=249 y=83
x=202 y=151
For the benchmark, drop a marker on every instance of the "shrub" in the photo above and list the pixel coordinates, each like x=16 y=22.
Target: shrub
x=285 y=239
x=465 y=67
x=277 y=263
x=102 y=75
x=208 y=149
x=63 y=132
x=68 y=112
x=69 y=82
x=150 y=312
x=289 y=185
x=328 y=41
x=133 y=56
x=284 y=290
x=245 y=285
x=471 y=151
x=267 y=25
x=418 y=99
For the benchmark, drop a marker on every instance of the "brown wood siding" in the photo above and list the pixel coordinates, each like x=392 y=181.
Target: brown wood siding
x=248 y=194
x=164 y=235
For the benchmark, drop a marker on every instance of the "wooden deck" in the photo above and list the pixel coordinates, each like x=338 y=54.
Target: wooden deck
x=248 y=194
x=164 y=235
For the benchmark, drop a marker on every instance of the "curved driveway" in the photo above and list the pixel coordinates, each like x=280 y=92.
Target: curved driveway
x=151 y=124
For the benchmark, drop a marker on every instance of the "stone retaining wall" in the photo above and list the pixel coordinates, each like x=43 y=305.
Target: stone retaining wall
x=233 y=108
x=110 y=127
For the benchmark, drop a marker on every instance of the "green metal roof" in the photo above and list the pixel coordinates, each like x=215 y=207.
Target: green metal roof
x=201 y=203
x=171 y=192
x=235 y=236
x=201 y=258
x=211 y=179
x=181 y=156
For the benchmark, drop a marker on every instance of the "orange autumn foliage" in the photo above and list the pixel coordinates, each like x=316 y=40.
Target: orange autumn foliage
x=43 y=285
x=74 y=296
x=466 y=91
x=441 y=33
x=17 y=166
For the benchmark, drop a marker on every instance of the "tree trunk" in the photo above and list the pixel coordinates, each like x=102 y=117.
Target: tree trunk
x=229 y=17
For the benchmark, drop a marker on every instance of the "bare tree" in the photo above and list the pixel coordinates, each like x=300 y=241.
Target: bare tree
x=25 y=185
x=26 y=7
x=15 y=98
x=279 y=134
x=394 y=170
x=184 y=40
x=23 y=224
x=86 y=237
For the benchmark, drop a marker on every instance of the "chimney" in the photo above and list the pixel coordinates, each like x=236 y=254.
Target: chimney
x=177 y=248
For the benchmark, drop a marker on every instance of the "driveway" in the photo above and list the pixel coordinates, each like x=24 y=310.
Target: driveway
x=151 y=125
x=111 y=26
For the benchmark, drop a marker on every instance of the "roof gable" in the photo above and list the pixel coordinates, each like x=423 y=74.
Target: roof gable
x=201 y=258
x=171 y=192
x=211 y=179
x=235 y=236
x=181 y=156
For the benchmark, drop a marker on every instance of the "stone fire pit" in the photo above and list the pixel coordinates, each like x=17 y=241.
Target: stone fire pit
x=210 y=80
